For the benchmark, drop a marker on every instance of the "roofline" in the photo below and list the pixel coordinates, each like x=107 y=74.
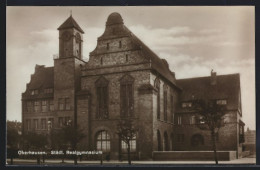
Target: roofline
x=209 y=76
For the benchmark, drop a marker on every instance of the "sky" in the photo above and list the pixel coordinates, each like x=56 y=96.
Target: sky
x=193 y=40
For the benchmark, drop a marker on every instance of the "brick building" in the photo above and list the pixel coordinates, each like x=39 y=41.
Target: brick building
x=124 y=78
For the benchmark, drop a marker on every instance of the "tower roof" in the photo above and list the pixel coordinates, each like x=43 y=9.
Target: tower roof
x=114 y=18
x=70 y=23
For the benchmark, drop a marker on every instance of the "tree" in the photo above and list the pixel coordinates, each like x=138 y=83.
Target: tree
x=212 y=119
x=13 y=139
x=127 y=131
x=72 y=135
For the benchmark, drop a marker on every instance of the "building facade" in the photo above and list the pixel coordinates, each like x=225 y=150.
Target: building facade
x=125 y=79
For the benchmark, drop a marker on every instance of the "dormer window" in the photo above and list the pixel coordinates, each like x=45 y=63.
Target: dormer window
x=221 y=102
x=34 y=92
x=186 y=104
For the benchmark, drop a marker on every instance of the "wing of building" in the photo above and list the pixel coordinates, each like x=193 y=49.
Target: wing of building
x=125 y=79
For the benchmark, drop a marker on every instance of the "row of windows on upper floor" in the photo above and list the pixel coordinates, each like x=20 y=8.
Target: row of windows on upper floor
x=38 y=106
x=33 y=124
x=45 y=91
x=218 y=102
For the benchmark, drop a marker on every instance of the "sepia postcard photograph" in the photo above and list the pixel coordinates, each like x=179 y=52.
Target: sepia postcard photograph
x=132 y=85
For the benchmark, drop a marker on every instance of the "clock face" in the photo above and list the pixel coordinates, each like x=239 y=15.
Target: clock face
x=66 y=36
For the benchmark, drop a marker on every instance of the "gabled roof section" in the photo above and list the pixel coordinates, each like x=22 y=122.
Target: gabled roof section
x=115 y=28
x=226 y=87
x=42 y=78
x=70 y=23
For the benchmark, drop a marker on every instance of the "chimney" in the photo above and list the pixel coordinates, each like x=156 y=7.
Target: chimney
x=213 y=78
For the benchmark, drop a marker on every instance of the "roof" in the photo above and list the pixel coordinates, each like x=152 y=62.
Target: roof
x=226 y=87
x=120 y=30
x=43 y=78
x=70 y=23
x=114 y=18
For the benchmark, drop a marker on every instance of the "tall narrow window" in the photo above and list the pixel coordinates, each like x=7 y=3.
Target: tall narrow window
x=44 y=105
x=51 y=105
x=67 y=103
x=101 y=61
x=192 y=120
x=43 y=123
x=102 y=98
x=29 y=106
x=157 y=87
x=172 y=113
x=28 y=124
x=35 y=124
x=126 y=96
x=165 y=103
x=120 y=44
x=107 y=46
x=126 y=58
x=179 y=120
x=37 y=106
x=61 y=104
x=61 y=121
x=103 y=141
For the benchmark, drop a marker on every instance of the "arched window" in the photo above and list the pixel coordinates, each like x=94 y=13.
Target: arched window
x=103 y=141
x=157 y=87
x=197 y=140
x=132 y=145
x=172 y=142
x=126 y=96
x=78 y=45
x=102 y=98
x=159 y=140
x=165 y=142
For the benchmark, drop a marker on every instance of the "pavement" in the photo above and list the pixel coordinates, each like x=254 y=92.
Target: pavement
x=247 y=160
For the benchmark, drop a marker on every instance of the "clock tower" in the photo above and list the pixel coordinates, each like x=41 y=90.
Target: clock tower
x=70 y=39
x=67 y=68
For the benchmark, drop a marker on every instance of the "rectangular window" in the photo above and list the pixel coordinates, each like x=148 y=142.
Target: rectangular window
x=107 y=46
x=165 y=105
x=43 y=123
x=192 y=120
x=35 y=124
x=179 y=120
x=61 y=104
x=37 y=107
x=51 y=105
x=186 y=104
x=221 y=102
x=127 y=101
x=34 y=92
x=61 y=121
x=44 y=105
x=120 y=44
x=67 y=103
x=28 y=124
x=132 y=145
x=158 y=103
x=29 y=106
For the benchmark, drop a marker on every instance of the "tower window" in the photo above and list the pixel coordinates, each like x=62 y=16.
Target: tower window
x=107 y=46
x=101 y=60
x=120 y=44
x=126 y=58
